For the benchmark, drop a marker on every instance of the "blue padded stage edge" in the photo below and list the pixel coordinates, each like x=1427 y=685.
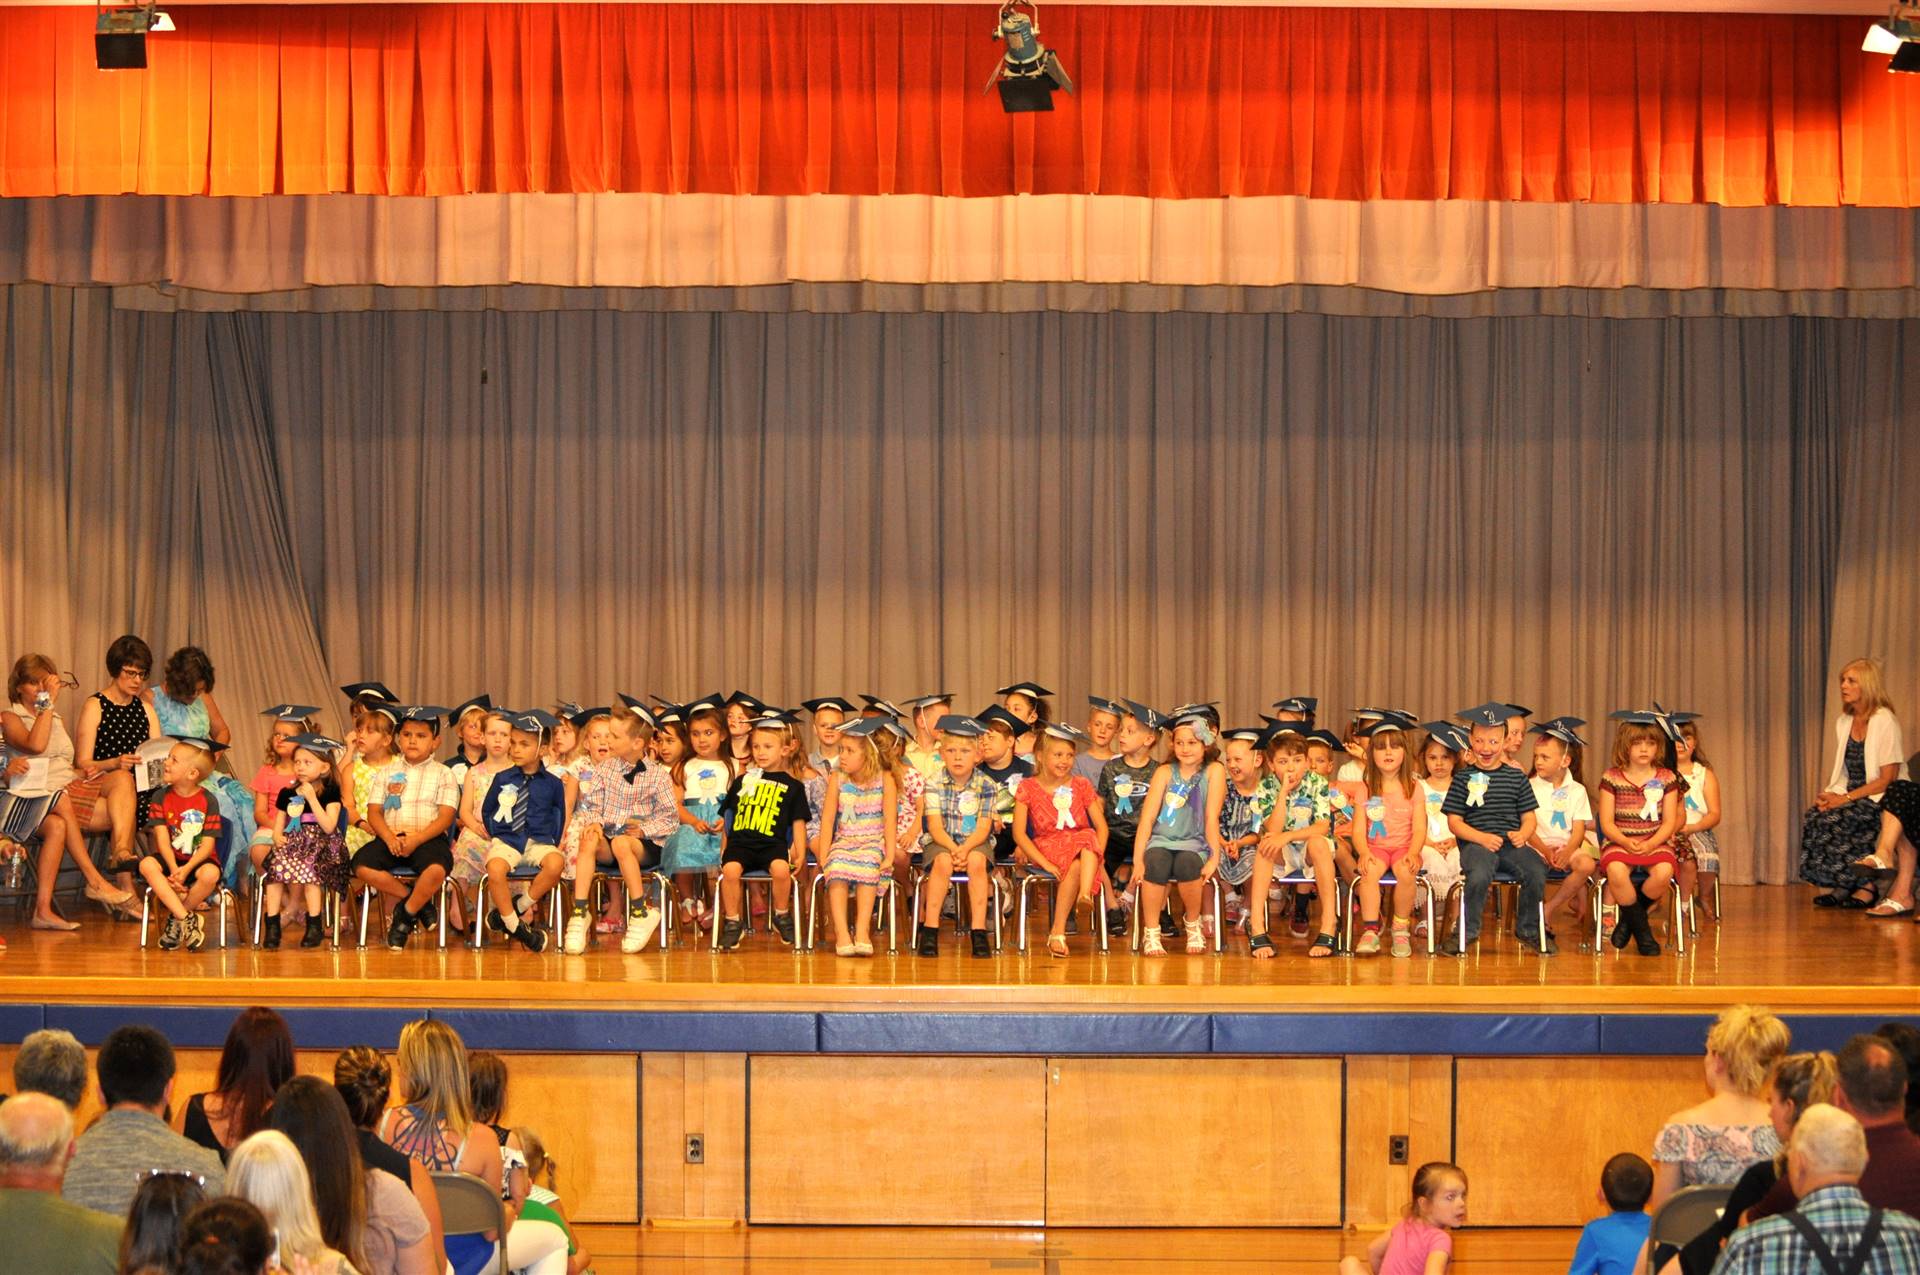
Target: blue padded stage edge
x=991 y=1032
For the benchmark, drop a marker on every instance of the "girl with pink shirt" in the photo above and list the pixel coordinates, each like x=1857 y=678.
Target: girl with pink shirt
x=1389 y=830
x=1420 y=1243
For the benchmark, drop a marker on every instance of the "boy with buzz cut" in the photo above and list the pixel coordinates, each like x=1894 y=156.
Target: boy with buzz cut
x=525 y=813
x=1296 y=840
x=1122 y=788
x=1489 y=809
x=960 y=804
x=417 y=800
x=185 y=858
x=1611 y=1245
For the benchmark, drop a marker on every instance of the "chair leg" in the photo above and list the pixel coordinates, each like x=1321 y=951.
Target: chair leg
x=1219 y=918
x=1433 y=918
x=220 y=902
x=366 y=909
x=1097 y=912
x=893 y=928
x=1678 y=923
x=913 y=888
x=1346 y=930
x=146 y=910
x=713 y=938
x=1020 y=924
x=259 y=905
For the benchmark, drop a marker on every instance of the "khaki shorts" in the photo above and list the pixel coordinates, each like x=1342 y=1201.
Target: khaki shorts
x=533 y=856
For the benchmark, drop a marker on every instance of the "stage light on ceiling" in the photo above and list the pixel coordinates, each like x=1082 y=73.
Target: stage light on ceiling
x=1030 y=72
x=1898 y=35
x=120 y=36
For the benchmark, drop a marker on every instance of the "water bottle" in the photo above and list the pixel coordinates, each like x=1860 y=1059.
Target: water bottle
x=16 y=869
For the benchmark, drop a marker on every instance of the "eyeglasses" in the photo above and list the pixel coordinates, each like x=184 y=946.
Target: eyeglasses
x=137 y=674
x=198 y=1179
x=68 y=680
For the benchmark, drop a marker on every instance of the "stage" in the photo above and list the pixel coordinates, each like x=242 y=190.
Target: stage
x=803 y=1075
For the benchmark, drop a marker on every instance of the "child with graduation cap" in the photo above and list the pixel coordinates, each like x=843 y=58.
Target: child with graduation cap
x=417 y=803
x=1639 y=815
x=1059 y=828
x=1122 y=789
x=856 y=844
x=923 y=750
x=1103 y=724
x=1028 y=702
x=1490 y=811
x=526 y=813
x=959 y=836
x=309 y=832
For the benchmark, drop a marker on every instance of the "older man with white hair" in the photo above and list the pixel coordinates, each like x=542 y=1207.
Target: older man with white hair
x=44 y=1232
x=52 y=1062
x=1833 y=1230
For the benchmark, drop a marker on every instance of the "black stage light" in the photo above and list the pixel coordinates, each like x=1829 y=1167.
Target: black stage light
x=1030 y=72
x=120 y=36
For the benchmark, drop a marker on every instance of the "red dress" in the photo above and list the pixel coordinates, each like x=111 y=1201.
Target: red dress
x=1058 y=820
x=1631 y=803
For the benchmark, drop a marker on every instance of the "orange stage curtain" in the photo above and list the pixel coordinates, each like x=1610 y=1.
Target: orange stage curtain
x=772 y=99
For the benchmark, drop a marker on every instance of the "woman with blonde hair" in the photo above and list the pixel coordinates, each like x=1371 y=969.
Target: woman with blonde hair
x=1713 y=1142
x=267 y=1172
x=1843 y=824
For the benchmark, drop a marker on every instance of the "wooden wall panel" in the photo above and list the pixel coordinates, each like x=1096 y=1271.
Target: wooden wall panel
x=693 y=1093
x=1389 y=1095
x=1185 y=1141
x=1533 y=1133
x=871 y=1140
x=585 y=1107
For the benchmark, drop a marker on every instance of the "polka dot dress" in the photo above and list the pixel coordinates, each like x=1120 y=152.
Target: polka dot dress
x=123 y=728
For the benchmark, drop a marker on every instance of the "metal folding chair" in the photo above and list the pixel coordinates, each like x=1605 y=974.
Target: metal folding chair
x=525 y=872
x=468 y=1206
x=1387 y=882
x=763 y=879
x=1686 y=1214
x=1032 y=878
x=1676 y=925
x=917 y=877
x=404 y=875
x=817 y=900
x=1219 y=928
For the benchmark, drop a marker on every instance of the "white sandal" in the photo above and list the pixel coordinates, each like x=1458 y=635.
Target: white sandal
x=1871 y=863
x=1889 y=908
x=1150 y=944
x=1196 y=939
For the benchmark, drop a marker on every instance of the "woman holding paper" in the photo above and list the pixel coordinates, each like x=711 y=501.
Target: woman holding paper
x=41 y=781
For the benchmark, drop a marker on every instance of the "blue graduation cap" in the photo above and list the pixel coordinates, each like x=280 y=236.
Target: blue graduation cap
x=840 y=702
x=369 y=690
x=1102 y=704
x=1655 y=716
x=894 y=726
x=314 y=743
x=887 y=706
x=581 y=717
x=1200 y=723
x=640 y=709
x=211 y=747
x=919 y=702
x=1327 y=737
x=387 y=709
x=1448 y=733
x=1147 y=717
x=1209 y=709
x=1519 y=710
x=705 y=704
x=988 y=716
x=568 y=707
x=289 y=712
x=1061 y=730
x=1297 y=704
x=861 y=727
x=533 y=721
x=1385 y=719
x=1255 y=735
x=1562 y=729
x=668 y=713
x=956 y=724
x=1491 y=713
x=428 y=713
x=481 y=702
x=773 y=719
x=1032 y=690
x=747 y=700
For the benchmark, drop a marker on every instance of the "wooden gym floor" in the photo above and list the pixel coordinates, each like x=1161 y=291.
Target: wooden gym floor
x=1772 y=948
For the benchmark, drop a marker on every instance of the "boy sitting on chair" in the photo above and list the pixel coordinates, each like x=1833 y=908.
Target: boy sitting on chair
x=185 y=859
x=525 y=811
x=417 y=802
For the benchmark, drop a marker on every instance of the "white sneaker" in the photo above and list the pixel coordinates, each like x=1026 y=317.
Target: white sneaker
x=578 y=926
x=640 y=928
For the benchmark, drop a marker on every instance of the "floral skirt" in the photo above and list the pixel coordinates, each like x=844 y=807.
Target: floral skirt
x=1830 y=840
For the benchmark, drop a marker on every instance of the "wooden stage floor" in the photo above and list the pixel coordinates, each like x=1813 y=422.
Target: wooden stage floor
x=1773 y=948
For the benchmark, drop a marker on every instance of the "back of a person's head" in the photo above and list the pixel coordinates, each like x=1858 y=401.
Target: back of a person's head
x=313 y=1116
x=433 y=1072
x=1748 y=1041
x=35 y=1130
x=266 y=1171
x=539 y=1163
x=156 y=1220
x=255 y=1061
x=135 y=1065
x=1828 y=1142
x=1905 y=1038
x=225 y=1236
x=51 y=1062
x=365 y=1080
x=1627 y=1182
x=486 y=1085
x=1873 y=1077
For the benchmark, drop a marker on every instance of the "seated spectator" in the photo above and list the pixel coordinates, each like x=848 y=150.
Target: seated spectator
x=44 y=1232
x=1713 y=1142
x=255 y=1061
x=1905 y=1039
x=184 y=704
x=434 y=1125
x=357 y=1205
x=1870 y=1084
x=135 y=1069
x=1611 y=1245
x=150 y=1245
x=267 y=1172
x=364 y=1081
x=226 y=1237
x=1824 y=1161
x=51 y=1062
x=542 y=1202
x=487 y=1087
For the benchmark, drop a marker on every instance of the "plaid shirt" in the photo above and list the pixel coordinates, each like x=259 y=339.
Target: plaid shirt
x=1772 y=1246
x=643 y=796
x=424 y=789
x=944 y=801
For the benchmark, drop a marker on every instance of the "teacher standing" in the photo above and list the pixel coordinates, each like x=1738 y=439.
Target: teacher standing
x=1844 y=821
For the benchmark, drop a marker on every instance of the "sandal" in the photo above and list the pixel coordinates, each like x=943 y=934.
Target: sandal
x=1260 y=947
x=1324 y=945
x=1889 y=907
x=1871 y=863
x=1056 y=945
x=1854 y=903
x=1196 y=939
x=1150 y=944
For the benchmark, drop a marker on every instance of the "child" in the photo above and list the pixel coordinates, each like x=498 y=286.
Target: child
x=470 y=737
x=1122 y=789
x=1390 y=834
x=1703 y=816
x=1179 y=835
x=1419 y=1244
x=1611 y=1245
x=1490 y=811
x=1516 y=741
x=1295 y=840
x=1251 y=798
x=891 y=740
x=1001 y=764
x=923 y=751
x=699 y=783
x=1296 y=710
x=275 y=773
x=1103 y=723
x=767 y=831
x=362 y=767
x=309 y=831
x=541 y=1203
x=856 y=843
x=960 y=827
x=829 y=713
x=563 y=742
x=1440 y=856
x=525 y=813
x=1323 y=747
x=185 y=858
x=1639 y=813
x=741 y=708
x=470 y=840
x=1028 y=702
x=409 y=825
x=1059 y=829
x=627 y=811
x=1560 y=829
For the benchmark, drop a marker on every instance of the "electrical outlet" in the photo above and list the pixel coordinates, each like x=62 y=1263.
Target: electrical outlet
x=1397 y=1149
x=697 y=1150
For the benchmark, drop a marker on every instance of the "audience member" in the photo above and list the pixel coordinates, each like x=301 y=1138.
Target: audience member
x=487 y=1088
x=42 y=1231
x=150 y=1245
x=51 y=1062
x=226 y=1237
x=135 y=1069
x=434 y=1124
x=255 y=1061
x=267 y=1172
x=1870 y=1085
x=364 y=1081
x=1905 y=1039
x=1713 y=1142
x=354 y=1202
x=1832 y=1228
x=1611 y=1245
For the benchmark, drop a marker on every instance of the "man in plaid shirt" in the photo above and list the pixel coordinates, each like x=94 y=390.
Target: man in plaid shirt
x=1833 y=1230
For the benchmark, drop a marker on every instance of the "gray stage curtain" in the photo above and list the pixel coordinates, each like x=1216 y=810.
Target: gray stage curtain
x=1574 y=513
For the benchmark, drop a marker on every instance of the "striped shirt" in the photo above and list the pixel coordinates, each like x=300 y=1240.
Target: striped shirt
x=1490 y=800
